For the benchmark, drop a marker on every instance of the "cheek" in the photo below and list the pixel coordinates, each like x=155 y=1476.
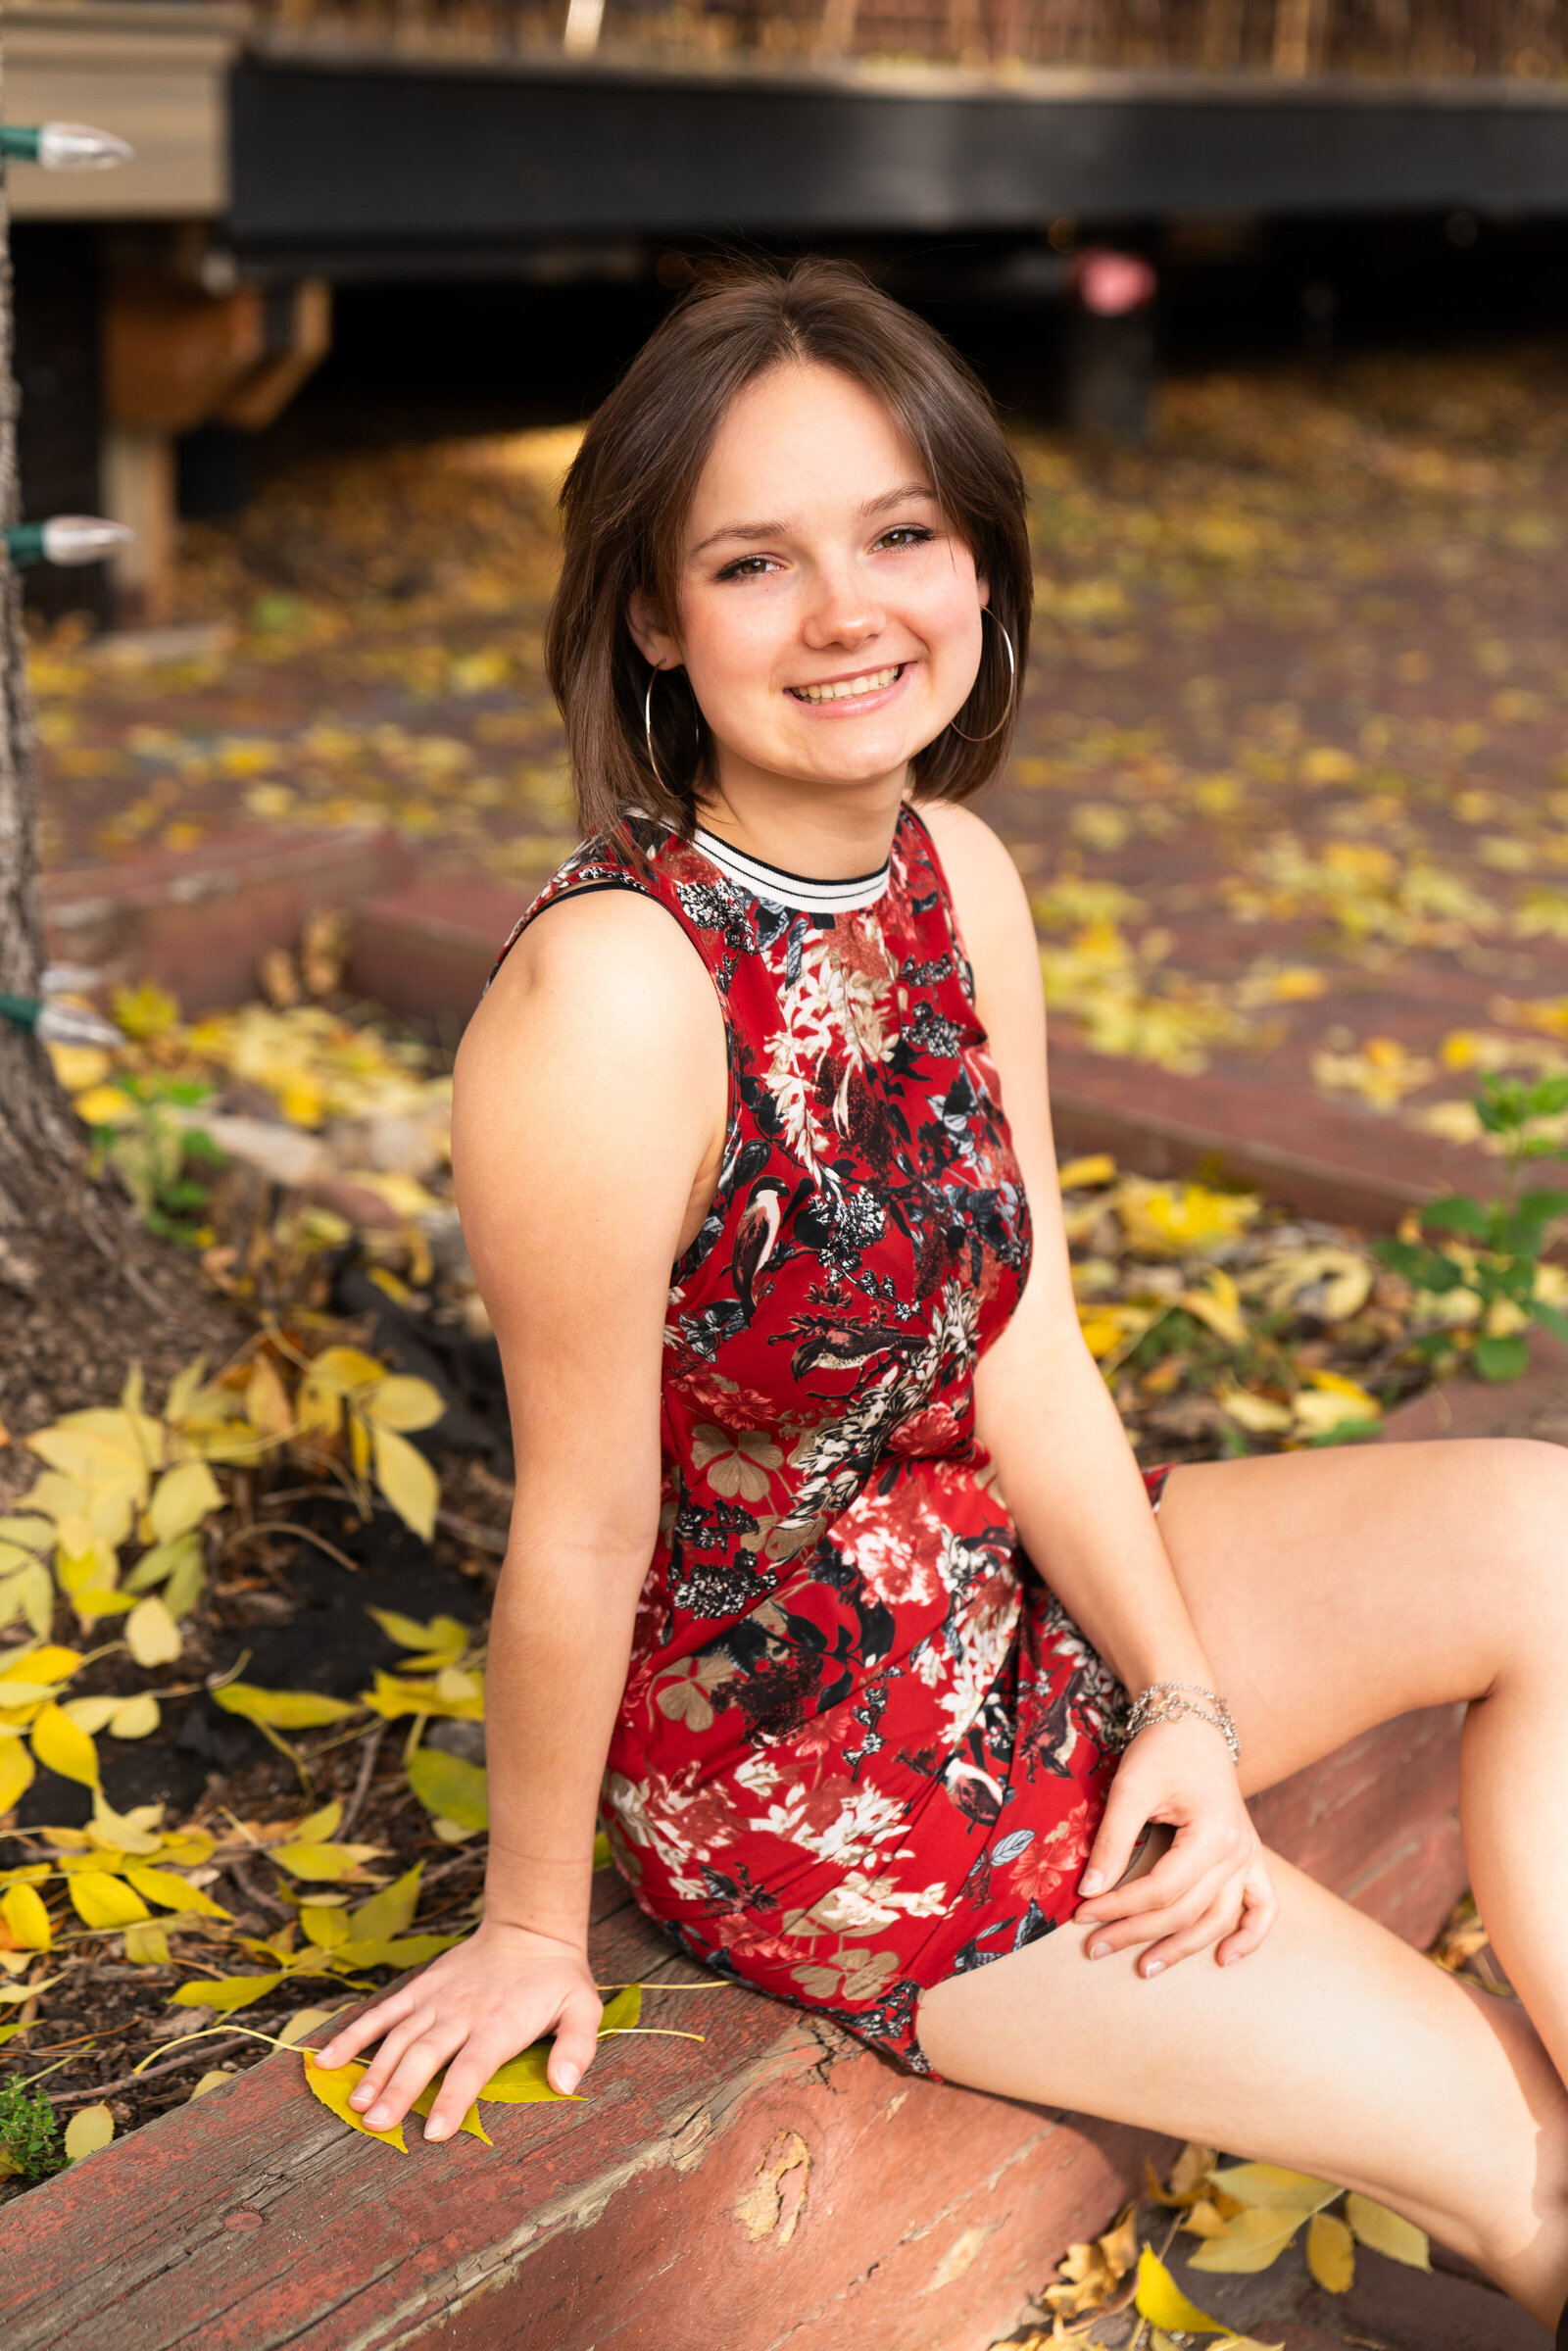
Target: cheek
x=733 y=644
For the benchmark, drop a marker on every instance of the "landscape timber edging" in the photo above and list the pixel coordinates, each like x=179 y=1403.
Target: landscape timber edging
x=781 y=2177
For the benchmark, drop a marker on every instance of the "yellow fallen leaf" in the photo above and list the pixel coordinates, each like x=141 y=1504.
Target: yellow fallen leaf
x=1204 y=2218
x=523 y=2079
x=1217 y=1305
x=341 y=1370
x=1078 y=1175
x=1251 y=2241
x=410 y=1633
x=116 y=1834
x=406 y=1480
x=1261 y=1415
x=79 y=1067
x=323 y=1924
x=388 y=1913
x=304 y=2021
x=334 y=2086
x=225 y=1992
x=49 y=1663
x=25 y=1917
x=324 y=1864
x=1161 y=2300
x=450 y=1787
x=1178 y=1220
x=317 y=1827
x=1331 y=1402
x=171 y=1891
x=105 y=1106
x=1266 y=2186
x=182 y=1497
x=61 y=1748
x=12 y=1995
x=281 y=1709
x=89 y=1714
x=218 y=2078
x=461 y=1700
x=470 y=2121
x=135 y=1718
x=1387 y=2233
x=103 y=1901
x=16 y=1772
x=90 y=2129
x=624 y=2012
x=400 y=1403
x=147 y=1942
x=1331 y=1284
x=267 y=1405
x=151 y=1633
x=1331 y=2252
x=1188 y=2176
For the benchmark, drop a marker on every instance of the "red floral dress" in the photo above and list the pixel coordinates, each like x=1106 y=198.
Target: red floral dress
x=862 y=1747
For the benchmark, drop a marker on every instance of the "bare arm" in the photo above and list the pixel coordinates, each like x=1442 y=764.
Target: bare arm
x=590 y=1099
x=1046 y=1418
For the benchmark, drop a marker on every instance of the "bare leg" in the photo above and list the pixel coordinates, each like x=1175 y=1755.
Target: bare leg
x=1332 y=1591
x=1335 y=2049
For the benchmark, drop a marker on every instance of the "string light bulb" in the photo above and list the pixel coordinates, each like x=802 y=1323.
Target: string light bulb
x=65 y=539
x=64 y=146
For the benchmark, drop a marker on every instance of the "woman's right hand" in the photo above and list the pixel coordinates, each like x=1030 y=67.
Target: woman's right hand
x=470 y=2010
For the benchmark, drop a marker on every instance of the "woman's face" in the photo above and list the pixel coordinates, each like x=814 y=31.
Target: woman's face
x=829 y=620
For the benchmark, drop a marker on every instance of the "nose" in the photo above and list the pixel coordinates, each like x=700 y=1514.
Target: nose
x=843 y=611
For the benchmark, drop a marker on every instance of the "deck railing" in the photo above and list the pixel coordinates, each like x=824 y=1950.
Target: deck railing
x=1455 y=39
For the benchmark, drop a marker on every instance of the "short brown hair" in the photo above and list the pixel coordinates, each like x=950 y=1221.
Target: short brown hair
x=629 y=491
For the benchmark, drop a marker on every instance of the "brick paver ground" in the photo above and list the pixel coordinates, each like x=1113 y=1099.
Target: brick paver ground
x=1293 y=769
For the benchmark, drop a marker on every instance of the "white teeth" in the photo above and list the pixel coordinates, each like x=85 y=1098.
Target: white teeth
x=848 y=687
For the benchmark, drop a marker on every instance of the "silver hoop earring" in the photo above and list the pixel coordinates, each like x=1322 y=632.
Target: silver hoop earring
x=1012 y=687
x=647 y=730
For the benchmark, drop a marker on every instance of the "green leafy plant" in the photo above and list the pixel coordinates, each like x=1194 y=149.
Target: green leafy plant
x=29 y=2135
x=1496 y=1249
x=155 y=1148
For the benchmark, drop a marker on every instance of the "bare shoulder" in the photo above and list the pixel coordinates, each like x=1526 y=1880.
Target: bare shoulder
x=608 y=964
x=988 y=893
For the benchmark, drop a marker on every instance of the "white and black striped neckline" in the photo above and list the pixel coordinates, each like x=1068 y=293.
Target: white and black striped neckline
x=782 y=889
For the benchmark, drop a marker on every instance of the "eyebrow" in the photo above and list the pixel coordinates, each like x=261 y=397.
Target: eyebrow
x=779 y=531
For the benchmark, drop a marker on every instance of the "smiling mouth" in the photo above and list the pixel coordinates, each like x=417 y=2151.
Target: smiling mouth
x=844 y=689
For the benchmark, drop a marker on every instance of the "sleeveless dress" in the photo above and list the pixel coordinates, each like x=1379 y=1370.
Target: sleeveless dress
x=862 y=1747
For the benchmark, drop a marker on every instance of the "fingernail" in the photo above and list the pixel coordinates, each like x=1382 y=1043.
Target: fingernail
x=1090 y=1918
x=1156 y=1967
x=360 y=2097
x=1099 y=1950
x=379 y=2117
x=568 y=2079
x=1091 y=1882
x=435 y=2129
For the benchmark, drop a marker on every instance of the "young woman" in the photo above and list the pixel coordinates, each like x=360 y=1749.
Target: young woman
x=833 y=1586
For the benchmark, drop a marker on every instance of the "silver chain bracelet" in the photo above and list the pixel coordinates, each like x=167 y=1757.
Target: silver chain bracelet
x=1165 y=1702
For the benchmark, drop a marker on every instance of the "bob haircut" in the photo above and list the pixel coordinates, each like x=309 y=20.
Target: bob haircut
x=628 y=494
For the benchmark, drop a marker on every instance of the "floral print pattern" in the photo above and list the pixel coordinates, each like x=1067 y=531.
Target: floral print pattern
x=862 y=1747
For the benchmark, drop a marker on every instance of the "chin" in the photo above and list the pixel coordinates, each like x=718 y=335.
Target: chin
x=861 y=762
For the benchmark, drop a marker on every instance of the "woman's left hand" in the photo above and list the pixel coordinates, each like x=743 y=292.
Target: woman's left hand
x=1211 y=1888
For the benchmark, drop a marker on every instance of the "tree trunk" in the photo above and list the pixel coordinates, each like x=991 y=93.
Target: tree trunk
x=39 y=1147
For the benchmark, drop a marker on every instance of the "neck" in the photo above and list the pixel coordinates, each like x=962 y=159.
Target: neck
x=828 y=831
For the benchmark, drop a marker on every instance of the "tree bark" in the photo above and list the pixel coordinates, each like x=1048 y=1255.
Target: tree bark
x=39 y=1147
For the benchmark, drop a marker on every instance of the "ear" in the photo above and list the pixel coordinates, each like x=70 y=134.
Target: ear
x=984 y=586
x=649 y=634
